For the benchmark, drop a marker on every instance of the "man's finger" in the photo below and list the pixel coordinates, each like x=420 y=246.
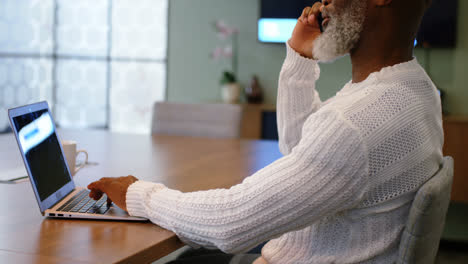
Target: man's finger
x=304 y=14
x=96 y=189
x=311 y=19
x=99 y=184
x=94 y=185
x=313 y=14
x=315 y=10
x=305 y=11
x=104 y=179
x=95 y=194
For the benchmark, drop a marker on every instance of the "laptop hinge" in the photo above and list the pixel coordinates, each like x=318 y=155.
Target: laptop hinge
x=65 y=196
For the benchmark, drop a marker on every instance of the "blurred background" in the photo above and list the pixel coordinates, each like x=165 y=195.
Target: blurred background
x=104 y=63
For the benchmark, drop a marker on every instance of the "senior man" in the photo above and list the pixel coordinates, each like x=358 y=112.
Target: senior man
x=352 y=164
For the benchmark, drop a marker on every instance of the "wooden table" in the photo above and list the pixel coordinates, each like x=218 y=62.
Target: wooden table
x=187 y=164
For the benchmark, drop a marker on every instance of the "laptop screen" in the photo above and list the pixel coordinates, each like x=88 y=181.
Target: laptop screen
x=42 y=152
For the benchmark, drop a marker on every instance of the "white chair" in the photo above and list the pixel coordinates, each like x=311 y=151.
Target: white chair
x=198 y=120
x=420 y=239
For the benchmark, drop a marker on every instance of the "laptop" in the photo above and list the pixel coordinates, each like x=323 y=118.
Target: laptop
x=48 y=170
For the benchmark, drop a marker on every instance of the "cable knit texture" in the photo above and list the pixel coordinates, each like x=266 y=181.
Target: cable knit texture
x=342 y=191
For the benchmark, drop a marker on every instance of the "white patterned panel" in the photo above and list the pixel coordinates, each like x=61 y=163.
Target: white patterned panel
x=82 y=27
x=81 y=93
x=139 y=28
x=26 y=26
x=23 y=81
x=135 y=87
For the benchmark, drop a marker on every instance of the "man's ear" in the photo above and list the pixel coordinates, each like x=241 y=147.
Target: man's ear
x=382 y=2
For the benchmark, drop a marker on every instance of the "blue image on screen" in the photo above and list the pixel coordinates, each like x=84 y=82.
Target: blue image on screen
x=277 y=30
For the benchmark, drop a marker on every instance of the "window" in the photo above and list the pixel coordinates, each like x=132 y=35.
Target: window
x=99 y=63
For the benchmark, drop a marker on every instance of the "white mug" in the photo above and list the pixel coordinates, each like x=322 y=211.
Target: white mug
x=69 y=148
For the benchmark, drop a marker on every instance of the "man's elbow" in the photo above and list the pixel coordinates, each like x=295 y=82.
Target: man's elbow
x=236 y=244
x=284 y=148
x=233 y=248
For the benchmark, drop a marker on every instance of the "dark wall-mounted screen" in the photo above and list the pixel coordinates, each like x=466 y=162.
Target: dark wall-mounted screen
x=278 y=18
x=284 y=9
x=439 y=25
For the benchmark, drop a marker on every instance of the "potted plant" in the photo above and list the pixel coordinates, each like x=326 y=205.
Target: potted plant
x=230 y=88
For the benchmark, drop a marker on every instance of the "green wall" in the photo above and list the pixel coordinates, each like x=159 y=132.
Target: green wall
x=194 y=77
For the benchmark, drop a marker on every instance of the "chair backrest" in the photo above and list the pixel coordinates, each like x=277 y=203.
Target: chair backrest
x=420 y=239
x=198 y=120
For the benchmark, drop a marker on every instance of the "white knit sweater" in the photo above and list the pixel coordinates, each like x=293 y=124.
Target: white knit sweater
x=342 y=191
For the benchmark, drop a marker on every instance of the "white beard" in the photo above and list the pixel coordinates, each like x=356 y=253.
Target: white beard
x=342 y=32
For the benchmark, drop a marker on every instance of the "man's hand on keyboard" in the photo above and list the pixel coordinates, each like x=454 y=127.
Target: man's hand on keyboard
x=115 y=188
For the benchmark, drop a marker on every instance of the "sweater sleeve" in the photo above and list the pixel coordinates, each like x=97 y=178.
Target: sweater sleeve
x=297 y=97
x=325 y=173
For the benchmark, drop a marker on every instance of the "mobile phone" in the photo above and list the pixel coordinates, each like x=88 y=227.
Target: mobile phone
x=320 y=20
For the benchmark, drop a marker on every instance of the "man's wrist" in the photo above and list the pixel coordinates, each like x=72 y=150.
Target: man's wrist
x=136 y=194
x=296 y=48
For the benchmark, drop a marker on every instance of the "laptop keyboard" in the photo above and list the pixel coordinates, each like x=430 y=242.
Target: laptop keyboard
x=82 y=203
